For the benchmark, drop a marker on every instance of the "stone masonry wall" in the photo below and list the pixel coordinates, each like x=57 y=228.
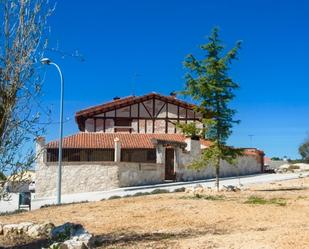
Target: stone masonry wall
x=131 y=174
x=245 y=165
x=78 y=177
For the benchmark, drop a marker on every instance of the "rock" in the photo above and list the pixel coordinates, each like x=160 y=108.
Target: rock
x=23 y=227
x=188 y=190
x=231 y=188
x=73 y=235
x=297 y=167
x=73 y=244
x=1 y=228
x=40 y=230
x=10 y=229
x=67 y=230
x=303 y=166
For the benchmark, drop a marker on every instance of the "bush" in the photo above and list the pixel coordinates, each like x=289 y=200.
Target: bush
x=205 y=197
x=261 y=201
x=182 y=189
x=18 y=211
x=63 y=204
x=140 y=194
x=159 y=191
x=114 y=197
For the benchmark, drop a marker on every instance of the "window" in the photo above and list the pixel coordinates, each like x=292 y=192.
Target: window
x=151 y=155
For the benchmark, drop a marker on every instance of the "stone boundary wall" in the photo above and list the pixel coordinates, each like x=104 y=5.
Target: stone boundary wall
x=245 y=165
x=78 y=177
x=132 y=174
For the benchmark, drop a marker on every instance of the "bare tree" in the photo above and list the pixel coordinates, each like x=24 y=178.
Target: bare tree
x=23 y=35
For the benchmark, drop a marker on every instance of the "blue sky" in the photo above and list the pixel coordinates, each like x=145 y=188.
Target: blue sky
x=139 y=46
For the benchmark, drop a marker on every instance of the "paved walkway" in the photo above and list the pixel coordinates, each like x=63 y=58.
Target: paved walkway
x=96 y=196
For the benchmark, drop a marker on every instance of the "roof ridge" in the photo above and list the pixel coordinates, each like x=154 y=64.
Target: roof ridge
x=105 y=103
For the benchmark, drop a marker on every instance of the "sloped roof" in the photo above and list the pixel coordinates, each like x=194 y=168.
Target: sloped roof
x=95 y=140
x=122 y=102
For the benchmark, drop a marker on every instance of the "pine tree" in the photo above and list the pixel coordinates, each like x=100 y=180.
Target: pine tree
x=208 y=83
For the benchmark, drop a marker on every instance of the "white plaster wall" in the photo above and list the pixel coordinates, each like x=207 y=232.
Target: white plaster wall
x=134 y=110
x=123 y=112
x=89 y=125
x=109 y=125
x=99 y=125
x=172 y=111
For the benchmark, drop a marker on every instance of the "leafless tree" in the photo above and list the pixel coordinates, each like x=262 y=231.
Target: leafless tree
x=23 y=38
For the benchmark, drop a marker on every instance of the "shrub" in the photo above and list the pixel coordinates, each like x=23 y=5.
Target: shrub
x=159 y=191
x=12 y=212
x=63 y=204
x=205 y=197
x=114 y=197
x=141 y=194
x=182 y=189
x=261 y=201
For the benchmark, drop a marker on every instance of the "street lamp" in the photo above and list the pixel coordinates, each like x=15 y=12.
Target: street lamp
x=47 y=61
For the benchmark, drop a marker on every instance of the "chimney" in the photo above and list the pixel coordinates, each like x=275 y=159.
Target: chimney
x=40 y=151
x=173 y=94
x=194 y=146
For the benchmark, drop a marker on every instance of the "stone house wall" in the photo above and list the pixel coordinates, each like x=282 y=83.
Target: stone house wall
x=78 y=177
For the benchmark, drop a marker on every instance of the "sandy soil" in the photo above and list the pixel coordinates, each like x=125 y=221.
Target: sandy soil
x=179 y=221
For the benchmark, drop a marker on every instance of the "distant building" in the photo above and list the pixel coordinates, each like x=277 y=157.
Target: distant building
x=131 y=141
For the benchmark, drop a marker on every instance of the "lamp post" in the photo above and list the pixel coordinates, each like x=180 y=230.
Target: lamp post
x=47 y=61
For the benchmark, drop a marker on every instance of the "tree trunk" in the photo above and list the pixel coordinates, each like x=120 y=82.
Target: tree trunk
x=217 y=174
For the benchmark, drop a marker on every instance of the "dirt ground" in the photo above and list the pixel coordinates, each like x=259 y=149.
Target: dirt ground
x=178 y=220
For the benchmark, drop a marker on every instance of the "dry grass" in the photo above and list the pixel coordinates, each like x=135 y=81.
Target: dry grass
x=179 y=221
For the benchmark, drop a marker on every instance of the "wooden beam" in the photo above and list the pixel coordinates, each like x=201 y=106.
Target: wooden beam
x=138 y=119
x=166 y=118
x=130 y=116
x=178 y=111
x=153 y=115
x=181 y=119
x=146 y=109
x=104 y=122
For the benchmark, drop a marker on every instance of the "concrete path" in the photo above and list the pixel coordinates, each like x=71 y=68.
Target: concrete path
x=96 y=196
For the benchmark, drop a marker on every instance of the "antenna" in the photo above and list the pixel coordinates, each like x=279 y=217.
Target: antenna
x=134 y=79
x=251 y=138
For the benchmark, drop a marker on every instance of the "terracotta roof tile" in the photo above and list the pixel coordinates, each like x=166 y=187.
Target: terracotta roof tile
x=96 y=140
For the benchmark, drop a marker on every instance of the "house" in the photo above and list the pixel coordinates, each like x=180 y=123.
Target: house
x=19 y=182
x=131 y=141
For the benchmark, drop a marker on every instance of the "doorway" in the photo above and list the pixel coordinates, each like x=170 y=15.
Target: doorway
x=169 y=164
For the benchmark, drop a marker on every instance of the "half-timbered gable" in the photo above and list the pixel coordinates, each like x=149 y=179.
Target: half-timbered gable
x=151 y=113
